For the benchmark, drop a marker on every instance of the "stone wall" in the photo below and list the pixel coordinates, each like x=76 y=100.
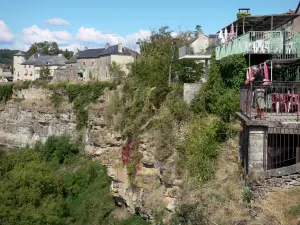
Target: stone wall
x=65 y=75
x=271 y=184
x=190 y=90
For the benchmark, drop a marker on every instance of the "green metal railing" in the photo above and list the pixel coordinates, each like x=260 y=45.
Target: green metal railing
x=270 y=42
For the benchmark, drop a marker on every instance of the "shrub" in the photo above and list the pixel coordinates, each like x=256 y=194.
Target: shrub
x=188 y=214
x=200 y=148
x=247 y=195
x=58 y=149
x=6 y=91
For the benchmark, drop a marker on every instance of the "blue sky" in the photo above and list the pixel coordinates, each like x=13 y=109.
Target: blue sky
x=94 y=22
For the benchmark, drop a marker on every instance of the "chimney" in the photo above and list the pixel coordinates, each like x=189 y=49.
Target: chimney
x=120 y=47
x=107 y=46
x=85 y=48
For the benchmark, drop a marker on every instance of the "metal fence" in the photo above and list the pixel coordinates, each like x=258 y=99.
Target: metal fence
x=281 y=44
x=283 y=147
x=280 y=100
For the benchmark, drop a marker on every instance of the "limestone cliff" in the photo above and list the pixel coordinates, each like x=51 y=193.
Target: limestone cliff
x=31 y=116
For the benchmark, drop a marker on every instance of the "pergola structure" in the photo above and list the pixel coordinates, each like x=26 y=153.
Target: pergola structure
x=260 y=23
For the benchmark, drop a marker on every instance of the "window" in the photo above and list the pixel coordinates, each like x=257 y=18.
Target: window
x=71 y=66
x=84 y=63
x=93 y=63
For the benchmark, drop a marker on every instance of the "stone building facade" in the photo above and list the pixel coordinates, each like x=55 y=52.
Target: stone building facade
x=94 y=63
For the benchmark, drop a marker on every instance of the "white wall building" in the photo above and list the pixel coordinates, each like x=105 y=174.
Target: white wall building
x=30 y=69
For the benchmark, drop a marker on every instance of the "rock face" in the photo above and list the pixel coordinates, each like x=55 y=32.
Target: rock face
x=30 y=117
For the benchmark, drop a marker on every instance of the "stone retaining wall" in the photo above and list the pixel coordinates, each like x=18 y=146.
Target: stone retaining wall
x=65 y=75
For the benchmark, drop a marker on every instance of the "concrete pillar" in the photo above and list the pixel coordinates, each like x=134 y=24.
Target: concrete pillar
x=256 y=151
x=206 y=69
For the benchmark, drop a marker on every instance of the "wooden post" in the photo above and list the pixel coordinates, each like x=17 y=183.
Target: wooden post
x=243 y=25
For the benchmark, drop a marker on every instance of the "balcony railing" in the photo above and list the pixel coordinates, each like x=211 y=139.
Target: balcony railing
x=190 y=51
x=269 y=42
x=280 y=100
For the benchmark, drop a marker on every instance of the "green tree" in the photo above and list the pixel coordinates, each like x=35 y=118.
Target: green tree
x=198 y=30
x=44 y=72
x=44 y=48
x=66 y=53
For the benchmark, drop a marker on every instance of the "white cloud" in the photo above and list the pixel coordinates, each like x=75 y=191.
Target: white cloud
x=96 y=36
x=20 y=46
x=57 y=22
x=35 y=34
x=91 y=35
x=6 y=36
x=72 y=47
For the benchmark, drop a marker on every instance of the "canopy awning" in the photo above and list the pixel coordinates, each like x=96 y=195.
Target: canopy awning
x=261 y=23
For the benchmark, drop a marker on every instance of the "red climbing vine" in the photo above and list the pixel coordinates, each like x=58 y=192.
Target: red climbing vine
x=127 y=151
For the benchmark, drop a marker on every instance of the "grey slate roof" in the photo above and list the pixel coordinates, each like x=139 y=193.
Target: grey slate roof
x=20 y=53
x=45 y=60
x=111 y=50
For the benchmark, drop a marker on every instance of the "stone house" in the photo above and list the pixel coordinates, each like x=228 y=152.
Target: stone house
x=30 y=69
x=296 y=22
x=94 y=63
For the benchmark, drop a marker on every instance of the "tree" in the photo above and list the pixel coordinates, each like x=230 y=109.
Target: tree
x=44 y=72
x=158 y=54
x=66 y=53
x=44 y=48
x=53 y=48
x=198 y=30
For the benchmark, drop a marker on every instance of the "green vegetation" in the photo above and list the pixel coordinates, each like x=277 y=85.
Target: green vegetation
x=200 y=148
x=220 y=94
x=82 y=95
x=45 y=72
x=54 y=184
x=242 y=14
x=7 y=56
x=116 y=73
x=246 y=195
x=189 y=214
x=6 y=91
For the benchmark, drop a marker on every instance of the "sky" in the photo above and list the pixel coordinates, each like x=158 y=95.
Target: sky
x=93 y=23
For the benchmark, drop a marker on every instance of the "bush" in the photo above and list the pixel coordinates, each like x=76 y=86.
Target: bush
x=188 y=214
x=247 y=195
x=6 y=91
x=220 y=94
x=58 y=149
x=33 y=191
x=200 y=148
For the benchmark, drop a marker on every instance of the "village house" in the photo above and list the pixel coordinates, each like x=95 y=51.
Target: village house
x=30 y=69
x=199 y=49
x=269 y=109
x=94 y=63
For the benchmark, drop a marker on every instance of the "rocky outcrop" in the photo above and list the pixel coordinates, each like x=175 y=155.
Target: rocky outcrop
x=30 y=117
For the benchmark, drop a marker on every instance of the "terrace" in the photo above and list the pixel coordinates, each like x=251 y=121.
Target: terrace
x=281 y=101
x=260 y=35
